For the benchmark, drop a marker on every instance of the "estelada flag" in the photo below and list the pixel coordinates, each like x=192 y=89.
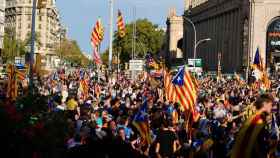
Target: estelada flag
x=141 y=122
x=258 y=62
x=186 y=91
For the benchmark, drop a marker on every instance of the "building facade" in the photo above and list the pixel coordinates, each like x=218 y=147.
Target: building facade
x=2 y=23
x=237 y=28
x=18 y=18
x=174 y=37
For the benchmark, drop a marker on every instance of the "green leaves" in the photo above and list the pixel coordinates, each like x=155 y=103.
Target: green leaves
x=70 y=51
x=14 y=47
x=149 y=38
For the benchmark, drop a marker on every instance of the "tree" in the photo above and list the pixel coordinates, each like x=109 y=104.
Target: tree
x=12 y=46
x=27 y=41
x=149 y=38
x=70 y=51
x=105 y=56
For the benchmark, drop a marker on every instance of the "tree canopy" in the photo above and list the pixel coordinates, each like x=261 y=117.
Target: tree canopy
x=70 y=51
x=149 y=38
x=12 y=46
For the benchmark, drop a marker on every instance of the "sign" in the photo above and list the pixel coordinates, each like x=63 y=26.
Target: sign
x=19 y=60
x=273 y=36
x=194 y=62
x=195 y=66
x=136 y=65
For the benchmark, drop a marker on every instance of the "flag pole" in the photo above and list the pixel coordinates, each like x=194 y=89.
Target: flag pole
x=98 y=65
x=32 y=47
x=111 y=3
x=118 y=65
x=219 y=67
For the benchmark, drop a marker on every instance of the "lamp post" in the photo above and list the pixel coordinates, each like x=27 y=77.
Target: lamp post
x=111 y=3
x=196 y=43
x=34 y=6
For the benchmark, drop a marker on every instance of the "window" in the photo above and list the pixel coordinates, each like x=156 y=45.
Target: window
x=40 y=18
x=40 y=26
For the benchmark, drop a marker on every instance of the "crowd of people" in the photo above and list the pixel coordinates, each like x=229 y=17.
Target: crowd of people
x=99 y=113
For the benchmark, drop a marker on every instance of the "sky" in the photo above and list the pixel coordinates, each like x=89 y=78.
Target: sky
x=79 y=16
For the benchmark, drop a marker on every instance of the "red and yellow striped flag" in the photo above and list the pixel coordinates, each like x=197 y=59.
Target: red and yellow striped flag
x=12 y=82
x=84 y=87
x=169 y=88
x=97 y=34
x=121 y=24
x=20 y=75
x=186 y=91
x=96 y=57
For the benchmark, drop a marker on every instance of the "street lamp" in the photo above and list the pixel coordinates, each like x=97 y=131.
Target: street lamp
x=196 y=43
x=111 y=4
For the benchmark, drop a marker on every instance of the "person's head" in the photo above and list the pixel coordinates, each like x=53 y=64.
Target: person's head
x=112 y=125
x=124 y=120
x=121 y=133
x=264 y=103
x=165 y=123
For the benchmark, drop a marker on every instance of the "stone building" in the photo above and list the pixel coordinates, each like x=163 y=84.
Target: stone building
x=237 y=28
x=174 y=37
x=18 y=18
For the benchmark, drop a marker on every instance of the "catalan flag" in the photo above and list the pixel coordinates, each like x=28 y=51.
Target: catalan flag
x=121 y=24
x=260 y=72
x=20 y=75
x=97 y=90
x=141 y=122
x=96 y=57
x=186 y=91
x=97 y=34
x=266 y=81
x=150 y=61
x=84 y=88
x=12 y=82
x=169 y=88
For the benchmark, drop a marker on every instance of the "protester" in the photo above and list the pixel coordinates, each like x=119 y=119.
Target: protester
x=235 y=118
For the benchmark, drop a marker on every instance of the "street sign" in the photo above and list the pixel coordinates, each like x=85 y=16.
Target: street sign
x=136 y=65
x=195 y=66
x=195 y=62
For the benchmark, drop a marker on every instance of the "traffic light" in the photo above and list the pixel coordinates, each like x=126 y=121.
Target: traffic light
x=42 y=4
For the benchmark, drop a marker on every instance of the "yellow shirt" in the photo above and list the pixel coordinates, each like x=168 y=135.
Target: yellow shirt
x=72 y=104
